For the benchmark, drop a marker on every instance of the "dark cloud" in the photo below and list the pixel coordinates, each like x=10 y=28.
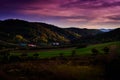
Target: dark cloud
x=91 y=4
x=11 y=5
x=14 y=2
x=73 y=17
x=19 y=4
x=114 y=17
x=107 y=4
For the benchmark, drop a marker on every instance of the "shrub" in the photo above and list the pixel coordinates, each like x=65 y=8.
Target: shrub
x=61 y=55
x=73 y=53
x=106 y=50
x=5 y=55
x=36 y=55
x=14 y=58
x=81 y=46
x=23 y=55
x=94 y=52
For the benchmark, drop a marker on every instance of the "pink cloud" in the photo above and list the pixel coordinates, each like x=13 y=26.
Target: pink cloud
x=91 y=12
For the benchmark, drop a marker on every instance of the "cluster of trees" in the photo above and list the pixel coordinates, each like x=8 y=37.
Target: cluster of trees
x=5 y=57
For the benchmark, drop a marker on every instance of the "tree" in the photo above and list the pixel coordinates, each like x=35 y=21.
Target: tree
x=106 y=50
x=61 y=55
x=36 y=55
x=94 y=52
x=20 y=38
x=5 y=55
x=73 y=53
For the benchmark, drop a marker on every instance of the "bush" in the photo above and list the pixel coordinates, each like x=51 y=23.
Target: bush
x=23 y=55
x=14 y=58
x=94 y=52
x=73 y=53
x=5 y=55
x=36 y=55
x=61 y=55
x=81 y=46
x=106 y=50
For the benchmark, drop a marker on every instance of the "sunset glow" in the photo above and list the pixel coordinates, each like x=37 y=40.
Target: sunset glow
x=64 y=13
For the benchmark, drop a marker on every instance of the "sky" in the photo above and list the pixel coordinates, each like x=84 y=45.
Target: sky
x=64 y=13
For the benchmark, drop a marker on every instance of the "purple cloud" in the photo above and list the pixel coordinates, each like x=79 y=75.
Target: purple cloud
x=114 y=17
x=92 y=4
x=67 y=12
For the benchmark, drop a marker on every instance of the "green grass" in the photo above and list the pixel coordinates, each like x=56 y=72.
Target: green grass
x=52 y=53
x=47 y=53
x=67 y=52
x=97 y=46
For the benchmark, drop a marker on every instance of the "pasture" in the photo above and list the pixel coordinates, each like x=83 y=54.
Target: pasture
x=99 y=67
x=47 y=53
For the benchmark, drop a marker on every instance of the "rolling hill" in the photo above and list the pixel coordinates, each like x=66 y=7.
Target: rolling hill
x=15 y=31
x=23 y=31
x=110 y=36
x=85 y=32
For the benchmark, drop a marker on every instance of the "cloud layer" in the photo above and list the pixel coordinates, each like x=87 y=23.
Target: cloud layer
x=80 y=13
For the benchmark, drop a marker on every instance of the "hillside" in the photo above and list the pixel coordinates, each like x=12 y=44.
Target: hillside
x=85 y=32
x=23 y=31
x=110 y=36
x=15 y=31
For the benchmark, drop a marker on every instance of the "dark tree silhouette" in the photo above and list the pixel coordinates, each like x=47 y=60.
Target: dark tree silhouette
x=94 y=52
x=5 y=55
x=73 y=53
x=106 y=50
x=61 y=55
x=14 y=58
x=36 y=55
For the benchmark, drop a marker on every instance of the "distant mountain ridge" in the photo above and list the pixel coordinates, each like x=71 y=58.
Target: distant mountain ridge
x=113 y=35
x=106 y=30
x=84 y=31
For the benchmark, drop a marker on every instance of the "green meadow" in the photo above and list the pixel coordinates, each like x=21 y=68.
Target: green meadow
x=68 y=51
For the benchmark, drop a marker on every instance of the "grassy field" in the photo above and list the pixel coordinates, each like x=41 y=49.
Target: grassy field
x=100 y=67
x=39 y=71
x=67 y=51
x=97 y=46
